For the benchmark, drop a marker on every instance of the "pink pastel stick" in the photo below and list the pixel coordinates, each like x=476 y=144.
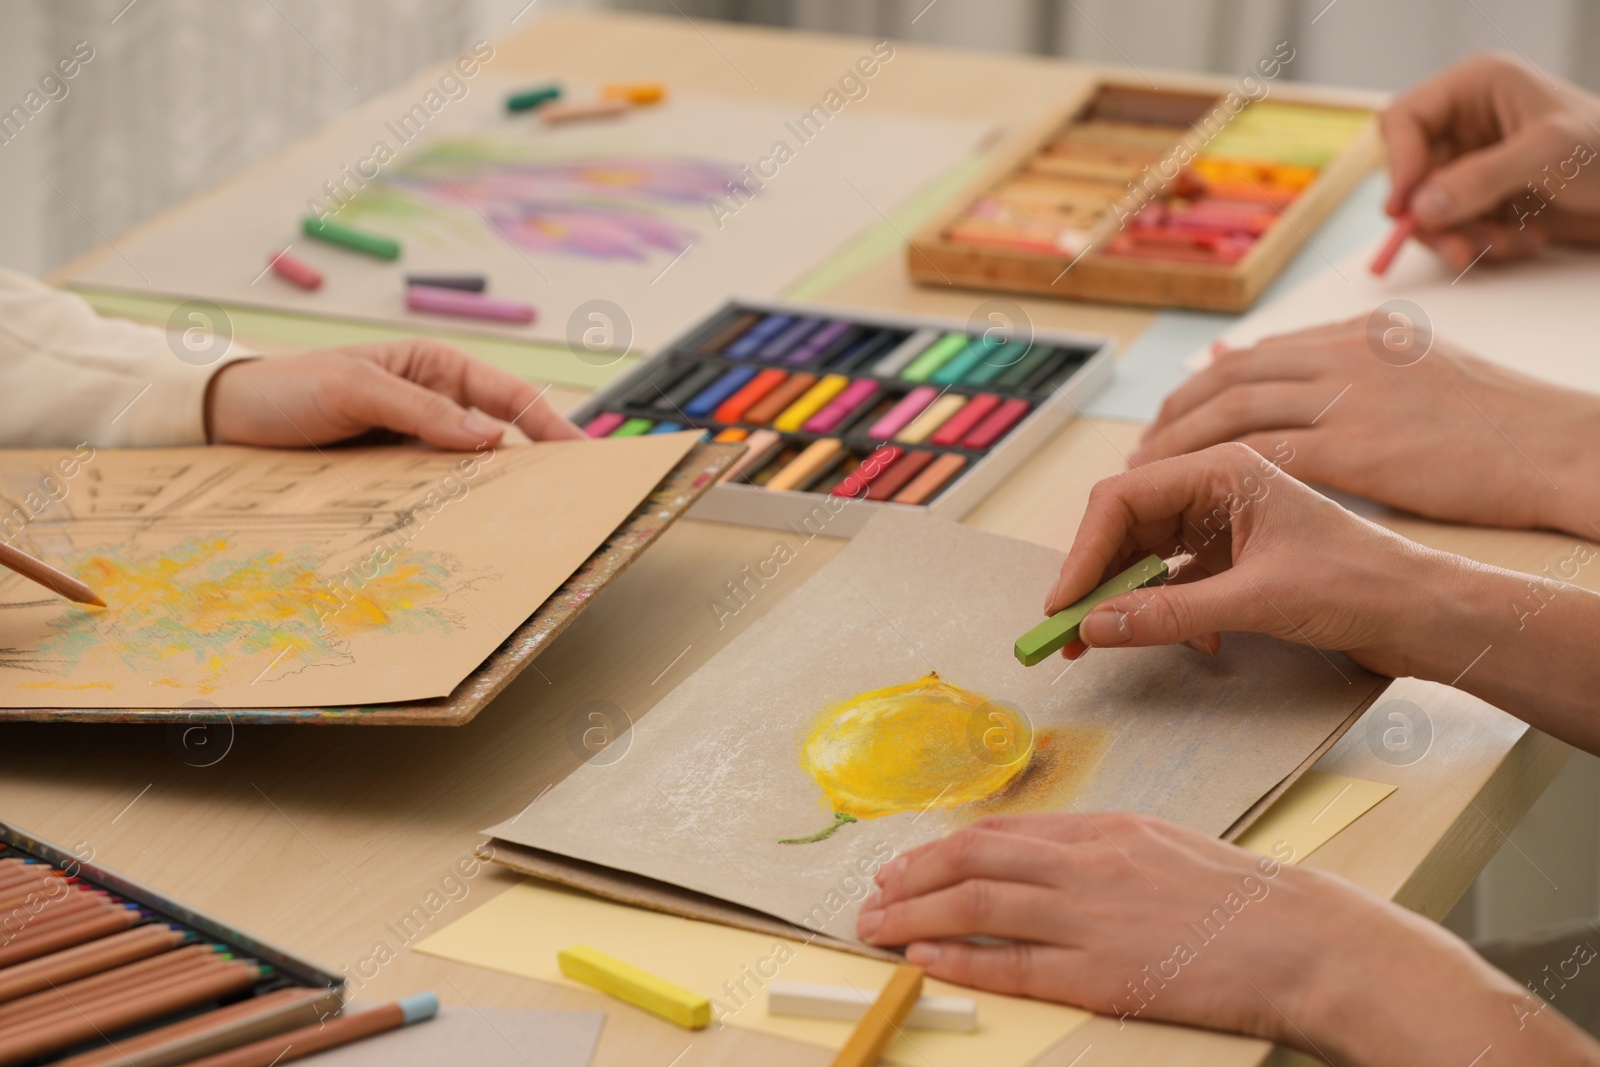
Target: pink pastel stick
x=302 y=274
x=1397 y=237
x=467 y=305
x=603 y=424
x=842 y=406
x=910 y=406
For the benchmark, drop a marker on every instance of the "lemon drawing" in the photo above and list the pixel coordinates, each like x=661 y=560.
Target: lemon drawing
x=910 y=748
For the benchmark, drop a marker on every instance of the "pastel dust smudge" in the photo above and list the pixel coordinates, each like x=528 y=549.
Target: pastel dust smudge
x=927 y=744
x=629 y=207
x=186 y=616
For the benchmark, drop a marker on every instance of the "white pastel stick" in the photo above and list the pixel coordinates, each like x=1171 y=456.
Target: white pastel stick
x=816 y=1001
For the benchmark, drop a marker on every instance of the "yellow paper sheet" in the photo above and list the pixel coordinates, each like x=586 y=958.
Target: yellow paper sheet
x=243 y=577
x=521 y=931
x=1311 y=812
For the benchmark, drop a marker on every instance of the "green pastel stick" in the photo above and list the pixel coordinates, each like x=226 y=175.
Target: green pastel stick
x=1019 y=372
x=1000 y=361
x=631 y=428
x=1061 y=629
x=528 y=99
x=357 y=240
x=937 y=353
x=966 y=359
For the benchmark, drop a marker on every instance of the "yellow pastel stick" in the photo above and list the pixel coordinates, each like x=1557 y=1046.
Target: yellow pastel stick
x=639 y=988
x=811 y=402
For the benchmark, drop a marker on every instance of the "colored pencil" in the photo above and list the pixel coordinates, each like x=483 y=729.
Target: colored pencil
x=68 y=934
x=92 y=958
x=331 y=1033
x=38 y=571
x=101 y=990
x=20 y=1046
x=211 y=1032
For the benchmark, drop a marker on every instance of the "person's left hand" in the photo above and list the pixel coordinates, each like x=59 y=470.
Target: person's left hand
x=1131 y=916
x=1450 y=436
x=419 y=387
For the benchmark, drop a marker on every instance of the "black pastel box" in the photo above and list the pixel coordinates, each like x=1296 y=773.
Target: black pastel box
x=843 y=412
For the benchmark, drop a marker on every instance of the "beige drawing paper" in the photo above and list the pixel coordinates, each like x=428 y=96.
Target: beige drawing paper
x=522 y=929
x=1537 y=317
x=483 y=1037
x=714 y=779
x=633 y=213
x=257 y=578
x=1310 y=814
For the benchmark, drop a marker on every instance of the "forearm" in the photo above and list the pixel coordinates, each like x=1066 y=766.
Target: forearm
x=1525 y=644
x=1398 y=991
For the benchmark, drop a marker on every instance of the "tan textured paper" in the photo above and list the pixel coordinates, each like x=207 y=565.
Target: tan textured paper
x=713 y=779
x=258 y=578
x=631 y=214
x=483 y=1037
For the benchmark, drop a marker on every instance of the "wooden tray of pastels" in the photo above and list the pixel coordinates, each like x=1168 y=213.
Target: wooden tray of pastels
x=1192 y=198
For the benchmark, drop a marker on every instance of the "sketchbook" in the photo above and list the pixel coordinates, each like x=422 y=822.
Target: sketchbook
x=253 y=578
x=880 y=706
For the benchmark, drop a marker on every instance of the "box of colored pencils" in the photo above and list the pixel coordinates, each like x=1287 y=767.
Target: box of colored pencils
x=1168 y=198
x=842 y=412
x=99 y=971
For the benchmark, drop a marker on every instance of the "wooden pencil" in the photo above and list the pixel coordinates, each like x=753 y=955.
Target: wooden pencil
x=21 y=1046
x=65 y=935
x=24 y=923
x=92 y=988
x=111 y=997
x=39 y=571
x=330 y=1033
x=93 y=958
x=22 y=893
x=215 y=1031
x=878 y=1025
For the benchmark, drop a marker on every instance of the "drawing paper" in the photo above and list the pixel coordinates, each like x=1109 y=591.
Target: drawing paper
x=245 y=577
x=521 y=930
x=823 y=709
x=483 y=1037
x=1535 y=317
x=653 y=212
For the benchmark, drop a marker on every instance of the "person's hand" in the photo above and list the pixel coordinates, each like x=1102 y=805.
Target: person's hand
x=422 y=388
x=1269 y=555
x=1136 y=918
x=1465 y=146
x=1449 y=437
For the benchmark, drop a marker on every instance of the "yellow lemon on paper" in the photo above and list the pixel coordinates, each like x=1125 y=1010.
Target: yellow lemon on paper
x=913 y=747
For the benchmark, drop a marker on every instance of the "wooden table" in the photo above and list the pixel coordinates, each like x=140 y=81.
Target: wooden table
x=322 y=839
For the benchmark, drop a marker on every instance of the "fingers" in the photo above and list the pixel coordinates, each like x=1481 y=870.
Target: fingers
x=1142 y=511
x=1293 y=359
x=978 y=906
x=474 y=383
x=1489 y=242
x=966 y=854
x=1169 y=615
x=1475 y=183
x=1024 y=969
x=374 y=398
x=1240 y=410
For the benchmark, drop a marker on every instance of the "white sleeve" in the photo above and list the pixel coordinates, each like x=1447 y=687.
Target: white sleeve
x=68 y=376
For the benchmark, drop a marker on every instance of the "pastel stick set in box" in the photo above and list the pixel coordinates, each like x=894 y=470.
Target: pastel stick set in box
x=1165 y=197
x=840 y=407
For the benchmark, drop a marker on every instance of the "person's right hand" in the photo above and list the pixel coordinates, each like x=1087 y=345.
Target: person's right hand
x=1465 y=145
x=1271 y=556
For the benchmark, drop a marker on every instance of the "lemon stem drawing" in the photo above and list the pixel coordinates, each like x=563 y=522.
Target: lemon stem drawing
x=840 y=818
x=927 y=744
